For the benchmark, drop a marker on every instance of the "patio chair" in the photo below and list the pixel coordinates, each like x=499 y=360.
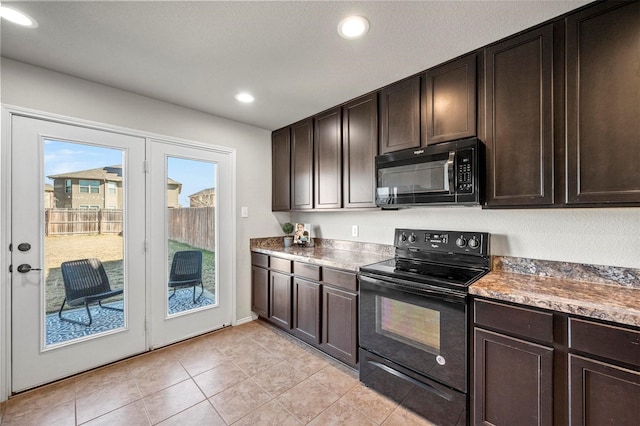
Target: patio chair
x=85 y=283
x=186 y=271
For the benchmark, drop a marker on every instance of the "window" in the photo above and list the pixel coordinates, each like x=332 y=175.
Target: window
x=112 y=187
x=67 y=185
x=90 y=186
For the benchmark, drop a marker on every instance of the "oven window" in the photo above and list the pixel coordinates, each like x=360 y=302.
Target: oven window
x=415 y=178
x=410 y=324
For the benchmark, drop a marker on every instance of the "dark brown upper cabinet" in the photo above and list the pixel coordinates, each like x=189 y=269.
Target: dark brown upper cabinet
x=302 y=165
x=400 y=116
x=450 y=101
x=603 y=104
x=519 y=120
x=328 y=159
x=281 y=170
x=359 y=150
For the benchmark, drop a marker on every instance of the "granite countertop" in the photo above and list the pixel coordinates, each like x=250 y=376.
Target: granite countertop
x=607 y=301
x=345 y=255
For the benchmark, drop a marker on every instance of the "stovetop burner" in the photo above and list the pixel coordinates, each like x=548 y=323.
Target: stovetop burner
x=450 y=259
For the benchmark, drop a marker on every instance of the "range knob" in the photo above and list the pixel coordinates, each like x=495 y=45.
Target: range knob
x=461 y=241
x=474 y=243
x=412 y=238
x=403 y=237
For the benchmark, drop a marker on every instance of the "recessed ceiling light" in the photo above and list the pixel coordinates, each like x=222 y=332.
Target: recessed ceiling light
x=17 y=17
x=245 y=97
x=353 y=27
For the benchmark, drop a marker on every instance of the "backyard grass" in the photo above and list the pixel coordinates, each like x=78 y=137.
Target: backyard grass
x=109 y=249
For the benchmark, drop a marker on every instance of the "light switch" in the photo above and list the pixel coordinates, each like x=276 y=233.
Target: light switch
x=244 y=211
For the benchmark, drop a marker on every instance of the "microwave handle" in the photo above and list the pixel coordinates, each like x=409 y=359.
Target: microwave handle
x=450 y=174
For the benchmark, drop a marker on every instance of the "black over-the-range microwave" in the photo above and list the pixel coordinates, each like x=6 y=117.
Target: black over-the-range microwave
x=449 y=173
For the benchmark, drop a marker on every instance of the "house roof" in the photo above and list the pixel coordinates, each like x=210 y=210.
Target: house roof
x=204 y=192
x=107 y=173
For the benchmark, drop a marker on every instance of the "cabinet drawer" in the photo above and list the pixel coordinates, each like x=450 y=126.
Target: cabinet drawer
x=342 y=279
x=616 y=343
x=281 y=265
x=306 y=270
x=259 y=259
x=514 y=320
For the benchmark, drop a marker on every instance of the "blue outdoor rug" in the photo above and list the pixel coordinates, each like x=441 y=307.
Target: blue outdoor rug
x=106 y=319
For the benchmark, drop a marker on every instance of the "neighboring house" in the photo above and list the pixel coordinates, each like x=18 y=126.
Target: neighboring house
x=204 y=198
x=99 y=188
x=48 y=196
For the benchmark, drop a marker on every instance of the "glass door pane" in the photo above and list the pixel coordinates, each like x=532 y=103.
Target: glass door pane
x=84 y=189
x=191 y=263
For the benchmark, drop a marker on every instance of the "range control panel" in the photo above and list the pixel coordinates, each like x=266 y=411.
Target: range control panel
x=443 y=241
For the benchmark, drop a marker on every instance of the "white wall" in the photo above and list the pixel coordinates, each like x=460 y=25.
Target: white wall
x=608 y=236
x=39 y=89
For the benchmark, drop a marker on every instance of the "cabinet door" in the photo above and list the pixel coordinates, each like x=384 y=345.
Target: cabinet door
x=513 y=381
x=302 y=165
x=519 y=120
x=281 y=170
x=359 y=150
x=400 y=116
x=602 y=394
x=340 y=324
x=260 y=291
x=603 y=104
x=306 y=310
x=450 y=97
x=328 y=159
x=280 y=299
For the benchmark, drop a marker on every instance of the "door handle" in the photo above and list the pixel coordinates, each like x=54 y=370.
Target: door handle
x=25 y=267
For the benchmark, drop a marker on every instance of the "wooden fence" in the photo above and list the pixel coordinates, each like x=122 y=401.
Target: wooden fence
x=194 y=226
x=82 y=221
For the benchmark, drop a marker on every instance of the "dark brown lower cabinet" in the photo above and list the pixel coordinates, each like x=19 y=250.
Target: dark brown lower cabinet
x=539 y=367
x=280 y=299
x=340 y=324
x=260 y=291
x=514 y=381
x=306 y=310
x=603 y=394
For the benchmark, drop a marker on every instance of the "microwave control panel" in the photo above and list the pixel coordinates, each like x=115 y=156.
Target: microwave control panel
x=464 y=171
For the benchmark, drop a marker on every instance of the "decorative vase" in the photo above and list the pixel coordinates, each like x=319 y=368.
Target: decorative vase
x=288 y=241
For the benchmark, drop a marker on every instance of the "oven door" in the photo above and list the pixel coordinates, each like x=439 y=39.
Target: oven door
x=423 y=330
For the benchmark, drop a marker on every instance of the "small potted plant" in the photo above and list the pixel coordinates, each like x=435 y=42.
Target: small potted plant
x=288 y=229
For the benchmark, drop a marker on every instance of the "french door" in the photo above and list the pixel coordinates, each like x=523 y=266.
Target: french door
x=98 y=219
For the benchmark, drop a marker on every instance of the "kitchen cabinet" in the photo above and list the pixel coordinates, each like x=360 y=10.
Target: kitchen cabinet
x=281 y=170
x=519 y=121
x=400 y=115
x=328 y=159
x=306 y=310
x=603 y=104
x=302 y=165
x=280 y=299
x=450 y=101
x=513 y=367
x=604 y=374
x=319 y=305
x=359 y=150
x=533 y=366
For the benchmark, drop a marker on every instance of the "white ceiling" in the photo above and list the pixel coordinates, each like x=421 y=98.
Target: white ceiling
x=199 y=54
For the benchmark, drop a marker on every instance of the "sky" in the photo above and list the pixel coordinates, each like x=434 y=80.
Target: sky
x=64 y=157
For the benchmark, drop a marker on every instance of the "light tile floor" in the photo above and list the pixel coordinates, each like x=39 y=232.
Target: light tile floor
x=252 y=374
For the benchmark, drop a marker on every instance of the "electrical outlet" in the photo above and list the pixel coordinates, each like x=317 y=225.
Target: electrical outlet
x=354 y=230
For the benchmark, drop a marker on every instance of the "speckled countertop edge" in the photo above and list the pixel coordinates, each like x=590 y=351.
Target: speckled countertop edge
x=605 y=302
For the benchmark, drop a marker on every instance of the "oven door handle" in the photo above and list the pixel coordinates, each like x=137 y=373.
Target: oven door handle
x=410 y=379
x=435 y=292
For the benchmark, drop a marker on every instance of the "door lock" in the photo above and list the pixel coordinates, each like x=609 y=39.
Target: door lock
x=24 y=246
x=25 y=267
